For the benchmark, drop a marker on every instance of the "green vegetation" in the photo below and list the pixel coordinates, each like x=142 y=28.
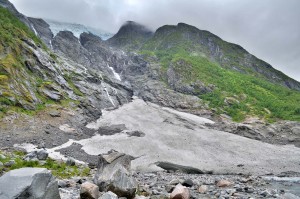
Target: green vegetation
x=12 y=31
x=58 y=169
x=69 y=78
x=19 y=85
x=236 y=94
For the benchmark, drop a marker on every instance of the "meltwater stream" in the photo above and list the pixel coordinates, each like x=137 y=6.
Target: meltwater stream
x=289 y=184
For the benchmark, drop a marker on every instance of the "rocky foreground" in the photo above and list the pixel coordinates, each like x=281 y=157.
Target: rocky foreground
x=146 y=151
x=113 y=178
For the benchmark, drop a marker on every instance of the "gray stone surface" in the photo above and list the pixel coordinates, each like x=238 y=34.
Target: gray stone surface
x=109 y=195
x=113 y=174
x=169 y=138
x=31 y=183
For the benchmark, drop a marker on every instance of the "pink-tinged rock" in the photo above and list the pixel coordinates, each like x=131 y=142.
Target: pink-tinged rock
x=180 y=192
x=202 y=189
x=223 y=183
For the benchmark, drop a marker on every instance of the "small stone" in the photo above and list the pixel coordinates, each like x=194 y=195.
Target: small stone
x=203 y=189
x=155 y=192
x=70 y=161
x=230 y=191
x=2 y=157
x=109 y=195
x=31 y=156
x=1 y=164
x=9 y=163
x=264 y=193
x=249 y=190
x=54 y=113
x=169 y=188
x=62 y=184
x=188 y=183
x=174 y=182
x=42 y=155
x=89 y=191
x=223 y=183
x=180 y=192
x=141 y=197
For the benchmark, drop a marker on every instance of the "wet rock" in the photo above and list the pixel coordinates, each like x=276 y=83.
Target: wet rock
x=113 y=174
x=180 y=192
x=89 y=191
x=203 y=189
x=35 y=183
x=223 y=183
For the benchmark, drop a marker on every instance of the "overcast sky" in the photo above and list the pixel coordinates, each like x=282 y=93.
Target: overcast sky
x=269 y=29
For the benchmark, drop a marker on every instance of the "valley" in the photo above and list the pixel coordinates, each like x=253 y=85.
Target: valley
x=140 y=113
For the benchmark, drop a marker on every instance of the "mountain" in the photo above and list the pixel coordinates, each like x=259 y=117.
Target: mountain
x=177 y=66
x=174 y=105
x=32 y=77
x=227 y=77
x=130 y=35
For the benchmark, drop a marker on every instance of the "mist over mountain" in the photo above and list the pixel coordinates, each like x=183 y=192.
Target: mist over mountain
x=173 y=112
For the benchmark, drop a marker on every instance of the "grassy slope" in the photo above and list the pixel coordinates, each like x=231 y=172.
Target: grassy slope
x=18 y=85
x=250 y=94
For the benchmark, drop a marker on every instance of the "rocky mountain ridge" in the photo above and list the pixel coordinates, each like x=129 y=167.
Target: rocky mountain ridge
x=155 y=110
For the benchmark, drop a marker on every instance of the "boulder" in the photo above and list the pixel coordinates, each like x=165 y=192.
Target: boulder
x=89 y=190
x=180 y=192
x=109 y=195
x=223 y=183
x=113 y=174
x=37 y=183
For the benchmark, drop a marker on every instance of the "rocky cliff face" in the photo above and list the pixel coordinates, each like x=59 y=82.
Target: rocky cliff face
x=42 y=30
x=177 y=66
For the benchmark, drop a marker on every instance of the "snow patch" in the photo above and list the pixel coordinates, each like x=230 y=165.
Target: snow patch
x=76 y=29
x=116 y=75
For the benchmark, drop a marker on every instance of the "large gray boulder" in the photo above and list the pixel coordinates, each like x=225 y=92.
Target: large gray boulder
x=29 y=183
x=114 y=174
